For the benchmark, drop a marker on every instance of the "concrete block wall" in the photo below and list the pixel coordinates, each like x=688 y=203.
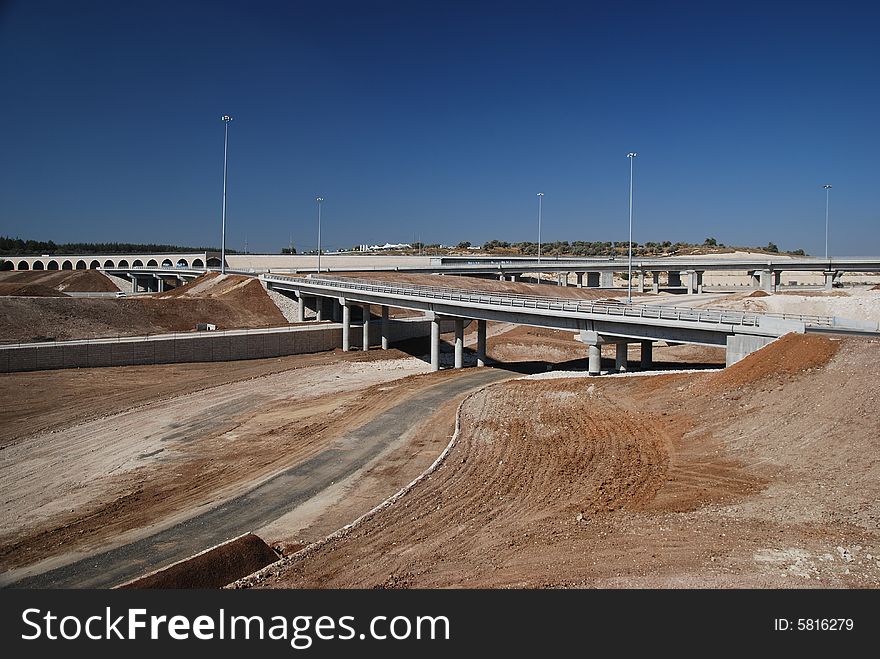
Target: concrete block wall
x=201 y=347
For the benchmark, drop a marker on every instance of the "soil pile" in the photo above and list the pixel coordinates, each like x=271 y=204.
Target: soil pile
x=28 y=290
x=76 y=281
x=233 y=302
x=213 y=568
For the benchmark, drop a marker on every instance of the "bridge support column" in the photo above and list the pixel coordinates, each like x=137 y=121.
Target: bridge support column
x=655 y=278
x=501 y=277
x=691 y=278
x=580 y=279
x=384 y=327
x=319 y=308
x=134 y=284
x=365 y=345
x=595 y=360
x=768 y=281
x=829 y=279
x=514 y=278
x=346 y=326
x=435 y=344
x=562 y=278
x=641 y=281
x=647 y=355
x=300 y=308
x=481 y=343
x=699 y=276
x=620 y=357
x=606 y=280
x=160 y=284
x=459 y=342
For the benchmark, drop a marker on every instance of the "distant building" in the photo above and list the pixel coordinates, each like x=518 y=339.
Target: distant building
x=384 y=248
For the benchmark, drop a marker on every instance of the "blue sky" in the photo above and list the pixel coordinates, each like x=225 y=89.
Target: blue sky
x=441 y=120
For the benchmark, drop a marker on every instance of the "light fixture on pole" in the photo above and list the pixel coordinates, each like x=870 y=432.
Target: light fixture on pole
x=540 y=208
x=631 y=155
x=827 y=187
x=320 y=200
x=225 y=119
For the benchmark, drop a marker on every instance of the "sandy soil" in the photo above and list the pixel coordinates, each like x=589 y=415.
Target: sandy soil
x=127 y=470
x=231 y=301
x=764 y=474
x=857 y=304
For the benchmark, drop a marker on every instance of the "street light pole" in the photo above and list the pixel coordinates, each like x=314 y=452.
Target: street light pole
x=225 y=119
x=827 y=187
x=631 y=155
x=540 y=209
x=320 y=200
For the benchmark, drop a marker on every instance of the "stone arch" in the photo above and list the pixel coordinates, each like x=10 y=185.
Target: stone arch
x=167 y=263
x=80 y=265
x=38 y=265
x=197 y=263
x=122 y=264
x=7 y=265
x=152 y=263
x=213 y=262
x=109 y=264
x=52 y=265
x=182 y=263
x=137 y=264
x=94 y=265
x=23 y=265
x=67 y=265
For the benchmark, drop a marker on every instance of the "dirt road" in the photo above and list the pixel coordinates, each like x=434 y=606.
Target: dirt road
x=339 y=459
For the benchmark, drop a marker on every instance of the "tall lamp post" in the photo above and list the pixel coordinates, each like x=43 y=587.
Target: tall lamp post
x=225 y=119
x=540 y=209
x=320 y=201
x=827 y=187
x=631 y=155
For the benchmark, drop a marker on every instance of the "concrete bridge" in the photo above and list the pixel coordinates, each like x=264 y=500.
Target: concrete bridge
x=596 y=323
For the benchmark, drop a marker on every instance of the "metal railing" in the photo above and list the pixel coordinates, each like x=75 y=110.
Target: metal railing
x=517 y=300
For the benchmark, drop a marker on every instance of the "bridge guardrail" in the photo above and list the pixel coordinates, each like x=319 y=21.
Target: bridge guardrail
x=709 y=315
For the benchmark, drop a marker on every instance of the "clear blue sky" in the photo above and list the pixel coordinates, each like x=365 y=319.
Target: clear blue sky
x=442 y=120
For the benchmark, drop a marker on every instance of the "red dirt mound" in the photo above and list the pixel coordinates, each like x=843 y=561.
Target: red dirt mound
x=29 y=290
x=759 y=294
x=214 y=568
x=787 y=356
x=78 y=281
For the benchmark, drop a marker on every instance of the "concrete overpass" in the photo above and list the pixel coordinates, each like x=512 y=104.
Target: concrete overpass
x=596 y=323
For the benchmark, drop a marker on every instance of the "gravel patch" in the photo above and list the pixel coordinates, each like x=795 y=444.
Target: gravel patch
x=286 y=305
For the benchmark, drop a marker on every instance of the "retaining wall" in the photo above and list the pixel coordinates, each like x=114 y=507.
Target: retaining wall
x=197 y=347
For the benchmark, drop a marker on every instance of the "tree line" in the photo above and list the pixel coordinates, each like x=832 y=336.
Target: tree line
x=17 y=246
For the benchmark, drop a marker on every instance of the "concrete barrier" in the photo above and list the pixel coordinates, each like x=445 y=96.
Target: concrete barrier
x=197 y=347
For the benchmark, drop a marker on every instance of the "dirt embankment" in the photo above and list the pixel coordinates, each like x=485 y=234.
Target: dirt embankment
x=73 y=281
x=230 y=302
x=761 y=475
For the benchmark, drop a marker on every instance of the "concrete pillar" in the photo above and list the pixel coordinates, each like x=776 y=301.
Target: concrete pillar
x=647 y=355
x=690 y=277
x=384 y=327
x=160 y=284
x=514 y=278
x=595 y=363
x=501 y=276
x=699 y=275
x=346 y=326
x=459 y=342
x=655 y=278
x=335 y=310
x=620 y=358
x=593 y=279
x=641 y=281
x=366 y=328
x=319 y=309
x=435 y=344
x=580 y=279
x=562 y=278
x=829 y=279
x=481 y=343
x=606 y=280
x=134 y=284
x=768 y=282
x=300 y=308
